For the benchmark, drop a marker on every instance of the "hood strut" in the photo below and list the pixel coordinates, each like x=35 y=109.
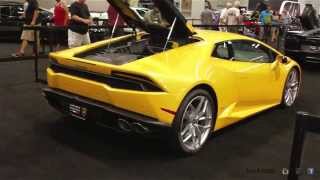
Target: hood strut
x=114 y=28
x=170 y=34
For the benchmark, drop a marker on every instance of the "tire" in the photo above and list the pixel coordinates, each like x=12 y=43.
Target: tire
x=191 y=127
x=291 y=88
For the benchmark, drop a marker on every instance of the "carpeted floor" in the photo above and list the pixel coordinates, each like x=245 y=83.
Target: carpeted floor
x=37 y=143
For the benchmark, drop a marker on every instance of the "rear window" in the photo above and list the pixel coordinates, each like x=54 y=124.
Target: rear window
x=221 y=51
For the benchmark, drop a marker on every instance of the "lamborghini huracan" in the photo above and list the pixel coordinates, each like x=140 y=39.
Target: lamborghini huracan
x=169 y=75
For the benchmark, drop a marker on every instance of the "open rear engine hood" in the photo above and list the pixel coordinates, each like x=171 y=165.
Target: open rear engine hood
x=168 y=12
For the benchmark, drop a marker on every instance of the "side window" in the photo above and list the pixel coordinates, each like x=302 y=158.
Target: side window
x=221 y=51
x=250 y=51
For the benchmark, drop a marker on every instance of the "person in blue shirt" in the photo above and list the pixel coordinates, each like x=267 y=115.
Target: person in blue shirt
x=265 y=19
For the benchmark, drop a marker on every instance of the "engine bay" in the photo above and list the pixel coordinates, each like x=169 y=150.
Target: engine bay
x=131 y=49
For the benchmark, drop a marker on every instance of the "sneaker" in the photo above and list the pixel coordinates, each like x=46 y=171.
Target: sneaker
x=18 y=54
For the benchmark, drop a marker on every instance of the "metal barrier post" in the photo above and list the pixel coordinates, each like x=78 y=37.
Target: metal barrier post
x=297 y=146
x=50 y=33
x=36 y=58
x=304 y=123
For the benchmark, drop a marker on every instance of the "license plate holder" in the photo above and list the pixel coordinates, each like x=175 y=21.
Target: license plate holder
x=78 y=111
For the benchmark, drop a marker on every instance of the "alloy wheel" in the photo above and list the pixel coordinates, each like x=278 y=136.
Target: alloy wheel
x=292 y=88
x=196 y=123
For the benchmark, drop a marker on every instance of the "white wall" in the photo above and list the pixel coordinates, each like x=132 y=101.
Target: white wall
x=197 y=7
x=220 y=4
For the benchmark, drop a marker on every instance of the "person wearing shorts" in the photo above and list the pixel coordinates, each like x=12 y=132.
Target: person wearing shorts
x=79 y=24
x=31 y=19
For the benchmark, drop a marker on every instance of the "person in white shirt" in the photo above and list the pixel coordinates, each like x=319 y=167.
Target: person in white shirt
x=233 y=17
x=223 y=17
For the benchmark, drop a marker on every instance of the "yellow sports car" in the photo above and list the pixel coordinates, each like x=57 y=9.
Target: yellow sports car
x=169 y=75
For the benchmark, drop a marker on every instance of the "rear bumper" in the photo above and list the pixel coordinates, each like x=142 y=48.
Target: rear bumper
x=149 y=104
x=96 y=110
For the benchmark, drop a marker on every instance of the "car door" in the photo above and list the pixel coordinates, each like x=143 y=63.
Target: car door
x=257 y=81
x=223 y=75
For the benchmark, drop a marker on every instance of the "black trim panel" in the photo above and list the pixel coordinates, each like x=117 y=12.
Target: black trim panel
x=56 y=97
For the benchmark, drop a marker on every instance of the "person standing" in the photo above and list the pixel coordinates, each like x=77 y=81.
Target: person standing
x=309 y=18
x=114 y=16
x=233 y=17
x=275 y=29
x=207 y=16
x=31 y=19
x=224 y=16
x=60 y=19
x=265 y=20
x=78 y=33
x=61 y=13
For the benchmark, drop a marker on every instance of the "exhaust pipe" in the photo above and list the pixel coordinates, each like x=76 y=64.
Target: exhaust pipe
x=139 y=128
x=124 y=125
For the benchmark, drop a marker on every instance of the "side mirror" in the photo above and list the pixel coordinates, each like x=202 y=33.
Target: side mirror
x=279 y=59
x=284 y=60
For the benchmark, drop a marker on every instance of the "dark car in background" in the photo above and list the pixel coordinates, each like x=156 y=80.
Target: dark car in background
x=303 y=46
x=11 y=20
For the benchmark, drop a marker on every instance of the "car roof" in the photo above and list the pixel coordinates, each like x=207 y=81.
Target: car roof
x=218 y=36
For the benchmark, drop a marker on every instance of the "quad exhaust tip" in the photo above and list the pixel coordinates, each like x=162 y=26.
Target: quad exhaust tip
x=139 y=128
x=126 y=126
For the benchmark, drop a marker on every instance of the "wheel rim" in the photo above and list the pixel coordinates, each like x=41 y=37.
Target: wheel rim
x=196 y=123
x=292 y=88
